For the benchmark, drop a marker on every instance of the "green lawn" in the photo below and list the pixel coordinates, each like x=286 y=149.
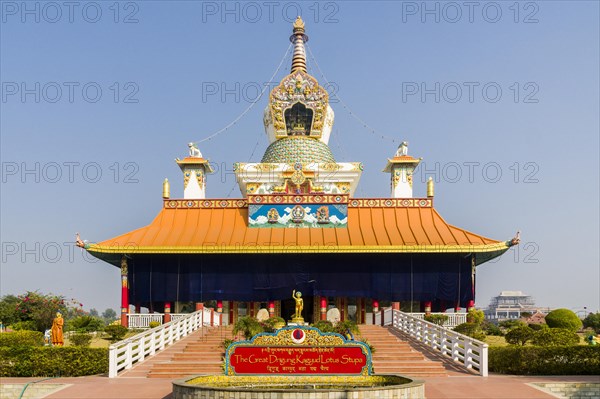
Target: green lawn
x=493 y=340
x=101 y=340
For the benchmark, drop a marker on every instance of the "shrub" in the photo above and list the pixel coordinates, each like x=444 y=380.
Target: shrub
x=324 y=325
x=438 y=319
x=472 y=330
x=271 y=322
x=22 y=338
x=24 y=361
x=85 y=323
x=81 y=339
x=592 y=321
x=343 y=327
x=154 y=324
x=563 y=318
x=519 y=335
x=248 y=326
x=490 y=328
x=555 y=337
x=28 y=325
x=556 y=360
x=116 y=332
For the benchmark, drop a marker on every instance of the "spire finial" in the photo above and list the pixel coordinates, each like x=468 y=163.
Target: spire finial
x=299 y=24
x=299 y=38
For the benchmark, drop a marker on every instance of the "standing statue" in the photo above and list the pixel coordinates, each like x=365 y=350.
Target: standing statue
x=299 y=307
x=57 y=330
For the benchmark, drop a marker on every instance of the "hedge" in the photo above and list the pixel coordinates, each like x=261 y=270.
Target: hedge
x=535 y=360
x=29 y=361
x=24 y=337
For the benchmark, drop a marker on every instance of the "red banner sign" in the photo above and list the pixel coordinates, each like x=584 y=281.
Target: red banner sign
x=298 y=360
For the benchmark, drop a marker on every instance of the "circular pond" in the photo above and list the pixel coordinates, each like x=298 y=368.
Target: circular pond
x=301 y=387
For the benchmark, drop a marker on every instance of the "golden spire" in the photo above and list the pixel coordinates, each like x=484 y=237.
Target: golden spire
x=166 y=189
x=299 y=38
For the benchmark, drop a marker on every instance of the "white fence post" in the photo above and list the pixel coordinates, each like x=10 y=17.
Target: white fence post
x=483 y=361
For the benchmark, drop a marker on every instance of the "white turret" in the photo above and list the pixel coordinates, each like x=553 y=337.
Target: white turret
x=194 y=168
x=402 y=167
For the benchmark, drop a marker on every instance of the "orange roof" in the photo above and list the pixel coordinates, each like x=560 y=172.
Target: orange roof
x=374 y=225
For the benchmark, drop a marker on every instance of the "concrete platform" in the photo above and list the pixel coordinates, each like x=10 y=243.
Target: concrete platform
x=453 y=386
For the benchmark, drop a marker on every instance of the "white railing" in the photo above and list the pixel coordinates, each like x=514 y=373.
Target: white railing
x=143 y=320
x=473 y=354
x=124 y=354
x=387 y=316
x=454 y=319
x=377 y=319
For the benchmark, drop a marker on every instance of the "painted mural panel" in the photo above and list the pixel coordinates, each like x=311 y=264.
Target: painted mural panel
x=301 y=215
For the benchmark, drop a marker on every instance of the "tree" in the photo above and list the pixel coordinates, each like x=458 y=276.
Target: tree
x=438 y=319
x=475 y=316
x=40 y=309
x=94 y=312
x=563 y=318
x=109 y=314
x=85 y=323
x=519 y=335
x=510 y=324
x=472 y=330
x=116 y=331
x=490 y=328
x=8 y=310
x=592 y=321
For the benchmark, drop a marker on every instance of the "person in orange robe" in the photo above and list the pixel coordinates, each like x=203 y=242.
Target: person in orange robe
x=57 y=330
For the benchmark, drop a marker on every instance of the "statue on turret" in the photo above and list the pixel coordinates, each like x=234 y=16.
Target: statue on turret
x=194 y=151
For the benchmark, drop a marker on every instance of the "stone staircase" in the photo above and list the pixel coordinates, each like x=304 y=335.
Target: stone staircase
x=199 y=353
x=394 y=355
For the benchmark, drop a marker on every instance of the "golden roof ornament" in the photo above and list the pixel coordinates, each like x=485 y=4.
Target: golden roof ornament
x=430 y=191
x=299 y=25
x=166 y=189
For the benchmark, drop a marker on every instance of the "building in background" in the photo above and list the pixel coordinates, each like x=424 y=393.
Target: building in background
x=511 y=305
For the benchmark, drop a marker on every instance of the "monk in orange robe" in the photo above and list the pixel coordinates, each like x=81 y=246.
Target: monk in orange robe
x=57 y=330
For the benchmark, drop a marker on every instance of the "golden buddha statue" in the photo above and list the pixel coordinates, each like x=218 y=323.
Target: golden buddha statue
x=299 y=307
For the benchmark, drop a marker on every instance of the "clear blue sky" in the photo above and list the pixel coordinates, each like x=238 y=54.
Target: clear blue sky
x=158 y=65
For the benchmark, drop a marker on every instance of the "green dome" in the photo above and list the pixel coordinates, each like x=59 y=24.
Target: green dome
x=298 y=149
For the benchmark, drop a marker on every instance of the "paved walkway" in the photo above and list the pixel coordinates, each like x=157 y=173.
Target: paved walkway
x=454 y=386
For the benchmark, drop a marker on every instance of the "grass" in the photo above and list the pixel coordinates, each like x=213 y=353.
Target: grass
x=493 y=340
x=102 y=340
